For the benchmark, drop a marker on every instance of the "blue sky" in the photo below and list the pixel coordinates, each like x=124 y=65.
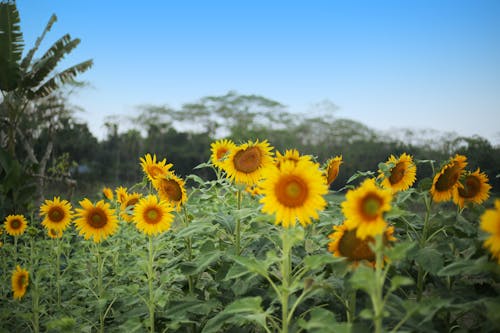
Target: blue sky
x=388 y=64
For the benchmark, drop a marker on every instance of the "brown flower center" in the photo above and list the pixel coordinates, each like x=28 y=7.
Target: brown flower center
x=472 y=186
x=152 y=215
x=354 y=248
x=291 y=191
x=156 y=171
x=172 y=190
x=248 y=160
x=397 y=173
x=370 y=206
x=449 y=178
x=15 y=224
x=56 y=214
x=22 y=281
x=97 y=218
x=221 y=152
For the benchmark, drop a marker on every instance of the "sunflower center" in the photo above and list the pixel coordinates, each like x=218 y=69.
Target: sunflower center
x=152 y=216
x=248 y=160
x=471 y=188
x=155 y=171
x=56 y=214
x=397 y=173
x=15 y=224
x=449 y=178
x=332 y=173
x=21 y=281
x=291 y=191
x=354 y=248
x=370 y=206
x=97 y=219
x=221 y=153
x=172 y=189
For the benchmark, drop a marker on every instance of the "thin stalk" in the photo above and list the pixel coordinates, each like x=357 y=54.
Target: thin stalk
x=189 y=246
x=58 y=271
x=376 y=297
x=351 y=306
x=100 y=288
x=423 y=240
x=35 y=295
x=238 y=226
x=285 y=273
x=151 y=301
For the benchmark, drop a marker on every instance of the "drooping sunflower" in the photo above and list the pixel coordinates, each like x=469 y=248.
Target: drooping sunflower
x=447 y=180
x=57 y=214
x=98 y=221
x=171 y=189
x=152 y=216
x=294 y=192
x=220 y=149
x=121 y=194
x=290 y=155
x=246 y=162
x=108 y=193
x=364 y=208
x=54 y=233
x=401 y=175
x=474 y=188
x=15 y=225
x=345 y=243
x=490 y=223
x=332 y=168
x=20 y=281
x=131 y=200
x=154 y=169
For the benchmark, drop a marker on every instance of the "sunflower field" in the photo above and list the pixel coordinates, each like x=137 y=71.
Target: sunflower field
x=265 y=246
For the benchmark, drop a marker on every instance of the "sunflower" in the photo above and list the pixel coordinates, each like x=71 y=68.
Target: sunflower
x=154 y=169
x=108 y=193
x=171 y=189
x=20 y=281
x=130 y=201
x=15 y=225
x=401 y=173
x=245 y=163
x=152 y=216
x=345 y=243
x=57 y=214
x=293 y=192
x=97 y=221
x=490 y=223
x=290 y=155
x=54 y=233
x=474 y=188
x=121 y=194
x=364 y=208
x=446 y=181
x=332 y=169
x=220 y=149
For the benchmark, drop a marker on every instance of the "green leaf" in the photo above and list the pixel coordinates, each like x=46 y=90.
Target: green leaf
x=238 y=312
x=252 y=265
x=400 y=250
x=430 y=259
x=200 y=263
x=319 y=260
x=323 y=321
x=468 y=267
x=399 y=281
x=364 y=279
x=11 y=46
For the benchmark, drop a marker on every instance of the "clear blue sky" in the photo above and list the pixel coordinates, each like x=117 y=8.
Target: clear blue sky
x=388 y=64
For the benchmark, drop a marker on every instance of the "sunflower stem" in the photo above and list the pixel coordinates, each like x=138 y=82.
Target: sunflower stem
x=351 y=305
x=376 y=296
x=58 y=271
x=151 y=301
x=423 y=240
x=238 y=225
x=189 y=246
x=100 y=289
x=285 y=273
x=35 y=297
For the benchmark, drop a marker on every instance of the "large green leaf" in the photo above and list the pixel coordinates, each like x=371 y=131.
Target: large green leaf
x=29 y=57
x=11 y=46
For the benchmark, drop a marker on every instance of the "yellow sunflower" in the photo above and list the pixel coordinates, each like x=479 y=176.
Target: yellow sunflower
x=15 y=225
x=364 y=208
x=130 y=201
x=171 y=189
x=54 y=233
x=98 y=221
x=332 y=169
x=245 y=163
x=108 y=193
x=446 y=181
x=152 y=168
x=401 y=175
x=121 y=194
x=20 y=281
x=220 y=149
x=152 y=216
x=490 y=223
x=345 y=243
x=57 y=214
x=474 y=188
x=290 y=155
x=293 y=192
